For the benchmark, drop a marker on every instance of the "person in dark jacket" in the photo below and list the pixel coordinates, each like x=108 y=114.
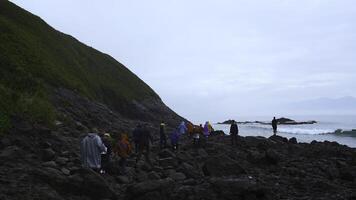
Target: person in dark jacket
x=106 y=157
x=144 y=144
x=234 y=131
x=274 y=125
x=197 y=132
x=162 y=135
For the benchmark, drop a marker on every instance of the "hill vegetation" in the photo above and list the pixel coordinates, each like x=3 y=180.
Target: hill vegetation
x=35 y=59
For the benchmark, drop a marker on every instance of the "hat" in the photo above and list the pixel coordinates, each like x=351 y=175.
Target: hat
x=107 y=135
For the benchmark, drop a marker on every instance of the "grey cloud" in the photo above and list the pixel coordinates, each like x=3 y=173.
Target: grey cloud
x=215 y=59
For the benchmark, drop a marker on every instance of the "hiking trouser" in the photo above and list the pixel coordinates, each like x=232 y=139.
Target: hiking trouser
x=105 y=162
x=162 y=142
x=122 y=164
x=196 y=141
x=144 y=150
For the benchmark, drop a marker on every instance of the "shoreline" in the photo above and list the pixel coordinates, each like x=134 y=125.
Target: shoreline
x=246 y=130
x=256 y=168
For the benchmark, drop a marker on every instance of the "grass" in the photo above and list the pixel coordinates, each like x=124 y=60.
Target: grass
x=34 y=58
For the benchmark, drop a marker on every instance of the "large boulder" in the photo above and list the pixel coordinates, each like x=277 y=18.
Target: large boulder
x=188 y=170
x=139 y=190
x=89 y=183
x=239 y=188
x=278 y=138
x=273 y=157
x=177 y=176
x=52 y=176
x=48 y=154
x=11 y=153
x=167 y=162
x=293 y=140
x=166 y=153
x=222 y=166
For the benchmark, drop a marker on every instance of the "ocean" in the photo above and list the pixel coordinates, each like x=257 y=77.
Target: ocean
x=321 y=131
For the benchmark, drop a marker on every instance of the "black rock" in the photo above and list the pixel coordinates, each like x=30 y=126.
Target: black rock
x=166 y=153
x=278 y=138
x=162 y=186
x=11 y=153
x=48 y=154
x=89 y=183
x=222 y=166
x=293 y=140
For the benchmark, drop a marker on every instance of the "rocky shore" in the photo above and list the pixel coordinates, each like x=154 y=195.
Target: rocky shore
x=37 y=163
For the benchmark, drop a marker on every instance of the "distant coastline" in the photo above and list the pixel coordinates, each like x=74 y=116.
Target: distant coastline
x=282 y=120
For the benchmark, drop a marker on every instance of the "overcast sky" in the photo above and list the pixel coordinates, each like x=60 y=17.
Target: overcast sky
x=213 y=60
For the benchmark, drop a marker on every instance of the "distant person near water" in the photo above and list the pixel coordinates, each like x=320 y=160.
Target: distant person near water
x=274 y=125
x=207 y=129
x=234 y=131
x=91 y=148
x=162 y=135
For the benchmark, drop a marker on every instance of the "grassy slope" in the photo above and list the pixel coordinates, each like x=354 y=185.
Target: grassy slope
x=34 y=56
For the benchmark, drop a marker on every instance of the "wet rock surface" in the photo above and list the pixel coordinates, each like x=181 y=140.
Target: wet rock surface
x=47 y=166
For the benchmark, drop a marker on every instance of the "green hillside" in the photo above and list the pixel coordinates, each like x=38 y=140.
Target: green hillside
x=35 y=58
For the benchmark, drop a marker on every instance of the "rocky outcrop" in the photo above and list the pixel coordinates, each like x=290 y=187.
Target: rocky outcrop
x=282 y=120
x=45 y=165
x=287 y=121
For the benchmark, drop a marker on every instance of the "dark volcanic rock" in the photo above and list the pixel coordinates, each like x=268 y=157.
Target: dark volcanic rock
x=48 y=154
x=145 y=189
x=89 y=183
x=293 y=140
x=222 y=166
x=278 y=138
x=166 y=153
x=239 y=188
x=257 y=168
x=11 y=153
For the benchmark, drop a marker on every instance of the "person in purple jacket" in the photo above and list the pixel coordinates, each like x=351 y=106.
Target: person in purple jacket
x=174 y=140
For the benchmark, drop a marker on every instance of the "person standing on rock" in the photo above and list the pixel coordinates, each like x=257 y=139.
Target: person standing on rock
x=144 y=144
x=123 y=150
x=162 y=135
x=206 y=129
x=175 y=139
x=234 y=131
x=182 y=128
x=106 y=157
x=274 y=125
x=196 y=136
x=190 y=128
x=91 y=148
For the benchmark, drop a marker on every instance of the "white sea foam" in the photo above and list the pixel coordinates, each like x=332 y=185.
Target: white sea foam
x=323 y=130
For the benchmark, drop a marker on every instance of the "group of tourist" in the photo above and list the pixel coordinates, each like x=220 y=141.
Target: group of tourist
x=98 y=147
